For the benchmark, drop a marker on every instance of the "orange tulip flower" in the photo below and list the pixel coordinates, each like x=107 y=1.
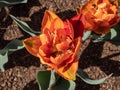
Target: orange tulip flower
x=100 y=15
x=58 y=46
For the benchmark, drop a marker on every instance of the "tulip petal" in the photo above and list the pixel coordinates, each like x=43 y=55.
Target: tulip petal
x=68 y=72
x=47 y=19
x=63 y=46
x=69 y=29
x=56 y=24
x=78 y=26
x=60 y=35
x=45 y=60
x=77 y=43
x=61 y=58
x=32 y=45
x=88 y=22
x=51 y=20
x=102 y=30
x=43 y=38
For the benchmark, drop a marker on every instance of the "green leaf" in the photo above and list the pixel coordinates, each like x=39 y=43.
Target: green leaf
x=14 y=45
x=11 y=2
x=24 y=26
x=3 y=60
x=43 y=78
x=49 y=80
x=58 y=83
x=85 y=78
x=98 y=38
x=63 y=84
x=113 y=33
x=113 y=36
x=9 y=48
x=86 y=35
x=53 y=78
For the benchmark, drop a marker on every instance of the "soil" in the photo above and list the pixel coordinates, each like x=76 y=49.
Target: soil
x=97 y=59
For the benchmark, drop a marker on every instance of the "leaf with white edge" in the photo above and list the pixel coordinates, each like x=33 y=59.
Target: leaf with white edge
x=113 y=33
x=49 y=80
x=14 y=45
x=43 y=78
x=86 y=35
x=24 y=26
x=53 y=78
x=4 y=3
x=9 y=48
x=58 y=83
x=81 y=74
x=113 y=36
x=63 y=84
x=3 y=60
x=98 y=38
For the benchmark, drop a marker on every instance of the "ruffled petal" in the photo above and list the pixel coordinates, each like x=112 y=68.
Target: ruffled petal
x=68 y=72
x=68 y=27
x=32 y=45
x=77 y=43
x=62 y=46
x=102 y=30
x=61 y=59
x=50 y=21
x=77 y=25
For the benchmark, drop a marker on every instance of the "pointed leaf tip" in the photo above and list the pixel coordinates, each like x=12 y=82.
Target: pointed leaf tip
x=83 y=75
x=24 y=26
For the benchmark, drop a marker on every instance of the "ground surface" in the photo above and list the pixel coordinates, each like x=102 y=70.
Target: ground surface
x=98 y=60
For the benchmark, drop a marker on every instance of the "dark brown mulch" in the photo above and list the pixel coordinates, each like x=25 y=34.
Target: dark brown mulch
x=98 y=60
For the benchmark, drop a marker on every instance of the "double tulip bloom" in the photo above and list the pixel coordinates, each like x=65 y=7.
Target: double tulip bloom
x=58 y=45
x=100 y=15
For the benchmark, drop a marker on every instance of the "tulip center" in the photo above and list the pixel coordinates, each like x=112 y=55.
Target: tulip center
x=103 y=12
x=62 y=50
